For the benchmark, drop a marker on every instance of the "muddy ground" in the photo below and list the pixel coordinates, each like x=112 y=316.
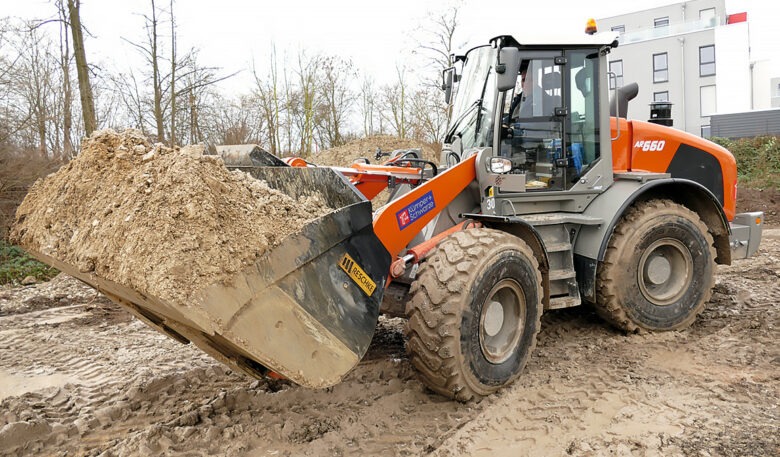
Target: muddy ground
x=79 y=376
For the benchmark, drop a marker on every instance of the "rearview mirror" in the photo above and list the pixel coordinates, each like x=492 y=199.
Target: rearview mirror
x=446 y=85
x=509 y=59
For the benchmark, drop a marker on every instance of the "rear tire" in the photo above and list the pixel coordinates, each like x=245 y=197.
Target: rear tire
x=474 y=313
x=658 y=271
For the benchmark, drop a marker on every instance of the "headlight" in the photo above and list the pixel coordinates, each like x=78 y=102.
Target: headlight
x=500 y=165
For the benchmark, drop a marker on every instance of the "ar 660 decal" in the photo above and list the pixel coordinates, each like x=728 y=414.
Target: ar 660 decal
x=647 y=145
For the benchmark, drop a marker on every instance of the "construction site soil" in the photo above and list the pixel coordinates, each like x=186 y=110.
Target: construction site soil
x=80 y=376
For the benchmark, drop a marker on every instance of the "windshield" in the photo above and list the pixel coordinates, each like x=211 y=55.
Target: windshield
x=471 y=121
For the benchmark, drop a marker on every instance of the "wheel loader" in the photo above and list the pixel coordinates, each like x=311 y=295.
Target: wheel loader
x=560 y=204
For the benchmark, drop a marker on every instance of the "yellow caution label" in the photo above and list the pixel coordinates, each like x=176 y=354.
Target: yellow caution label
x=357 y=274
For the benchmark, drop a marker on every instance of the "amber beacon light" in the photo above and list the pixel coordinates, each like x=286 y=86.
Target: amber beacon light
x=590 y=27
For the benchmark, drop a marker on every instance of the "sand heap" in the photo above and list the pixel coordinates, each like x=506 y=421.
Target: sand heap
x=163 y=221
x=366 y=147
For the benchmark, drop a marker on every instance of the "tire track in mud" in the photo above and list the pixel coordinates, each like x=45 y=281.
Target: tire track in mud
x=561 y=398
x=88 y=381
x=131 y=391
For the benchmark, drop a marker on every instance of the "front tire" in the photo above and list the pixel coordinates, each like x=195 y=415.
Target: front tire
x=658 y=271
x=474 y=313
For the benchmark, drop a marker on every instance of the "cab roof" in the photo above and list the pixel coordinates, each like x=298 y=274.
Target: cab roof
x=537 y=40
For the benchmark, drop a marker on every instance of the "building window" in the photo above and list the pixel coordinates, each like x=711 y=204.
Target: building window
x=707 y=14
x=662 y=96
x=707 y=60
x=660 y=67
x=706 y=131
x=619 y=28
x=707 y=101
x=661 y=22
x=616 y=67
x=777 y=94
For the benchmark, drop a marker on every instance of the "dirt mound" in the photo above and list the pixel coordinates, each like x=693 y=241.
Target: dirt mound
x=163 y=221
x=766 y=200
x=367 y=147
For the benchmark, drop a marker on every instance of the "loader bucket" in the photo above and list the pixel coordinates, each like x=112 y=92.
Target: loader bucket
x=305 y=309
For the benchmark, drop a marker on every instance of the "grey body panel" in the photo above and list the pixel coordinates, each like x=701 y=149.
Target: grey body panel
x=591 y=244
x=746 y=234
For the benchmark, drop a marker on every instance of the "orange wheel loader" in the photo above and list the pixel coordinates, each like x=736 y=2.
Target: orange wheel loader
x=545 y=197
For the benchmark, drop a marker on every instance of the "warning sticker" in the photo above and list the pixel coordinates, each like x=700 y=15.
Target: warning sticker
x=415 y=210
x=357 y=274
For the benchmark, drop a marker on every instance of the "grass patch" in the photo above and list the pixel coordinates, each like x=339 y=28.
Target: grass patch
x=15 y=265
x=758 y=160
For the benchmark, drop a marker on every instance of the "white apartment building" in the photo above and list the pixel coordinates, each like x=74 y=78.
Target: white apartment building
x=691 y=54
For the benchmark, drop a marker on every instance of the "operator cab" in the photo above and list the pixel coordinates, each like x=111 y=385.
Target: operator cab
x=539 y=108
x=550 y=118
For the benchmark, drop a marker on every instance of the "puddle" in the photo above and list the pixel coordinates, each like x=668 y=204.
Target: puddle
x=15 y=385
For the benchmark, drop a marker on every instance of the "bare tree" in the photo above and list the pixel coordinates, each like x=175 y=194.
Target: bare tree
x=435 y=40
x=67 y=93
x=368 y=108
x=33 y=85
x=335 y=79
x=436 y=45
x=131 y=96
x=173 y=77
x=428 y=114
x=195 y=84
x=82 y=69
x=237 y=121
x=268 y=95
x=12 y=116
x=154 y=60
x=394 y=99
x=303 y=102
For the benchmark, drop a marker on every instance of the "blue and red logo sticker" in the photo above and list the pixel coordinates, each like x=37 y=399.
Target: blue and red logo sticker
x=415 y=210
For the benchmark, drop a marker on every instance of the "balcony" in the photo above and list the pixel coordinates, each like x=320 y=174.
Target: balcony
x=669 y=30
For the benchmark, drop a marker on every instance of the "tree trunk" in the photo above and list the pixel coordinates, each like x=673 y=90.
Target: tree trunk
x=67 y=93
x=173 y=79
x=158 y=114
x=85 y=89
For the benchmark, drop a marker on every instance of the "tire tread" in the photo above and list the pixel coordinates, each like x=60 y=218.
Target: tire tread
x=608 y=306
x=438 y=297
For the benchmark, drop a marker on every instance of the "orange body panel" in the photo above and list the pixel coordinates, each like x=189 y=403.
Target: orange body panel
x=621 y=159
x=370 y=180
x=644 y=146
x=396 y=224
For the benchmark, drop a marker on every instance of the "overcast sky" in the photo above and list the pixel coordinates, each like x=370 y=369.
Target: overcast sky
x=375 y=35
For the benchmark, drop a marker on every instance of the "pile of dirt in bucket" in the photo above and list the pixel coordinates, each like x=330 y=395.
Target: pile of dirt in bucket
x=158 y=220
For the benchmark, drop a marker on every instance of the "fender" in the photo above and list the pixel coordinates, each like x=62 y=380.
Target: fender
x=591 y=243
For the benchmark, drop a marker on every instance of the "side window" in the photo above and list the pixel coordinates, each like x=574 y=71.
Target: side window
x=533 y=134
x=582 y=132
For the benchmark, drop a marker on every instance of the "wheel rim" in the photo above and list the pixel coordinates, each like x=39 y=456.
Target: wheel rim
x=501 y=321
x=665 y=271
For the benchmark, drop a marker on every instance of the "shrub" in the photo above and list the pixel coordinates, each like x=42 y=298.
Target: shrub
x=15 y=265
x=758 y=160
